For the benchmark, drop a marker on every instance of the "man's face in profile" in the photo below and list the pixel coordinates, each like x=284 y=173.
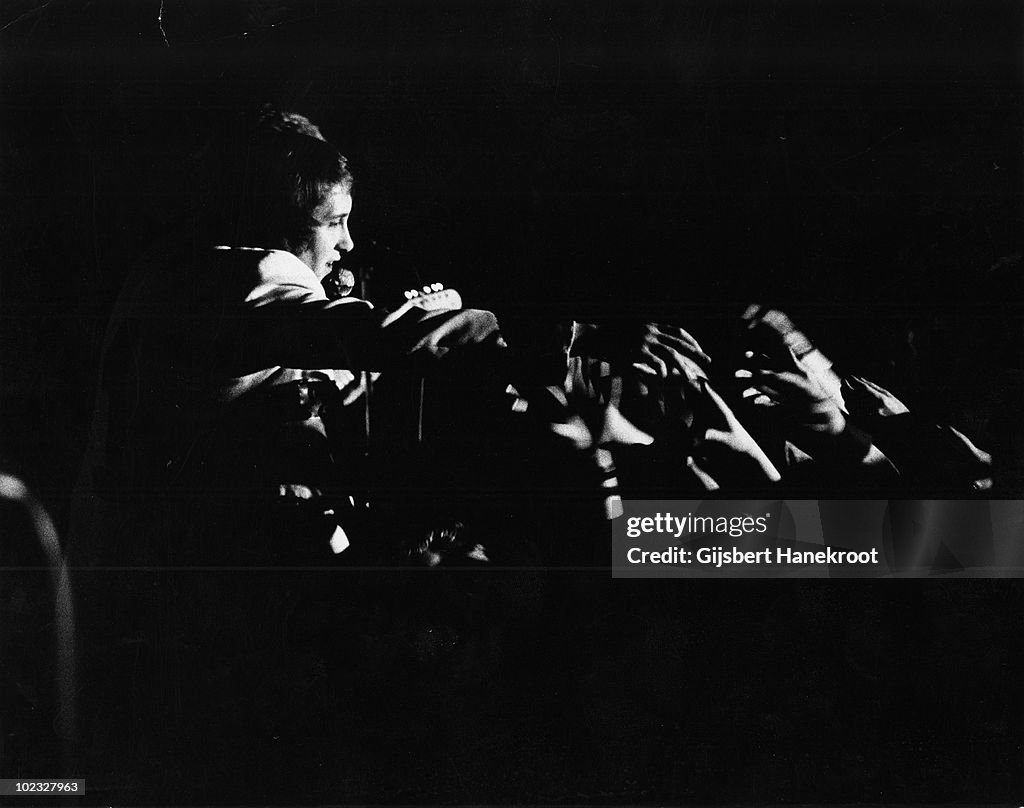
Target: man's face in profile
x=329 y=234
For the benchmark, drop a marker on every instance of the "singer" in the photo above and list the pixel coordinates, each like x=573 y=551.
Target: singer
x=223 y=358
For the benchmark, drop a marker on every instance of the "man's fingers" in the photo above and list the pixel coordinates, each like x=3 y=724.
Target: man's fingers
x=719 y=436
x=865 y=395
x=679 y=339
x=723 y=408
x=769 y=390
x=706 y=479
x=678 y=364
x=752 y=311
x=760 y=399
x=777 y=332
x=651 y=358
x=742 y=443
x=675 y=331
x=787 y=380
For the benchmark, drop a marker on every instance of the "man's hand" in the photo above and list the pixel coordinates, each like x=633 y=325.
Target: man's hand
x=786 y=370
x=725 y=453
x=653 y=349
x=444 y=330
x=867 y=398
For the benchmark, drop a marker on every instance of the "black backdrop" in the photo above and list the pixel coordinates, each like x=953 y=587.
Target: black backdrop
x=634 y=158
x=625 y=158
x=857 y=162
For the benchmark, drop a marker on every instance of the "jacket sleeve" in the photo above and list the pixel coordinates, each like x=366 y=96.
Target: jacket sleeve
x=286 y=320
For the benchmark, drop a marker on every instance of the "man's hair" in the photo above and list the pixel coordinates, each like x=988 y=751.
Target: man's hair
x=287 y=171
x=272 y=119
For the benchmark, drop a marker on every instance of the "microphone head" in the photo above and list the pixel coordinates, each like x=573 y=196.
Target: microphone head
x=339 y=283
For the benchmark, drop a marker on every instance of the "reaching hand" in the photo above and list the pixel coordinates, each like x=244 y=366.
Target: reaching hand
x=652 y=349
x=867 y=398
x=787 y=370
x=725 y=454
x=446 y=330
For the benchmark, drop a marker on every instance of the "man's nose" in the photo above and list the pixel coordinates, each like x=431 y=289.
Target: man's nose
x=345 y=243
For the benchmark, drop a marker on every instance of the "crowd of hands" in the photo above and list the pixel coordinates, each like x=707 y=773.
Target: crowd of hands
x=645 y=411
x=616 y=373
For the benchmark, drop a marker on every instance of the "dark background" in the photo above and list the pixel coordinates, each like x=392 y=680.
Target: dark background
x=858 y=163
x=860 y=160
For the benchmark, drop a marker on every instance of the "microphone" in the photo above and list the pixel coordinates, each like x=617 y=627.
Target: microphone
x=339 y=283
